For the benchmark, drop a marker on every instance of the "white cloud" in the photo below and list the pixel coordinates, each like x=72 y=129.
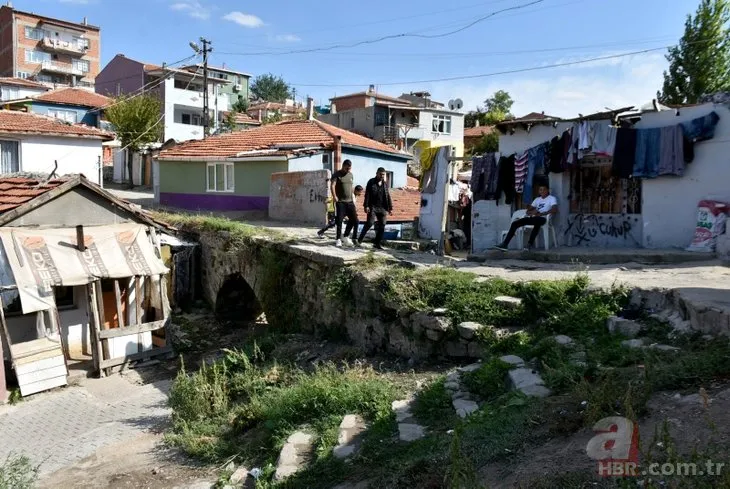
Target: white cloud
x=288 y=38
x=566 y=92
x=246 y=20
x=193 y=8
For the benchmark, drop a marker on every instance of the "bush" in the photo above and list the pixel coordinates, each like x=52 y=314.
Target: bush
x=17 y=472
x=489 y=380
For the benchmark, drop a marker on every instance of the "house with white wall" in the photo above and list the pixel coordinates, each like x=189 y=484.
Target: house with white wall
x=180 y=90
x=18 y=88
x=399 y=121
x=37 y=144
x=599 y=210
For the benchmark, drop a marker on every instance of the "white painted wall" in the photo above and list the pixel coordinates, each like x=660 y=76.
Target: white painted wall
x=12 y=92
x=178 y=100
x=425 y=122
x=669 y=204
x=432 y=213
x=74 y=155
x=312 y=162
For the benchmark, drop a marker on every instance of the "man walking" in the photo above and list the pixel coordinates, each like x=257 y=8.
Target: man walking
x=341 y=188
x=377 y=204
x=544 y=205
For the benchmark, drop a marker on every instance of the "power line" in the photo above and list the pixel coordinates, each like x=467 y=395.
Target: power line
x=485 y=75
x=400 y=35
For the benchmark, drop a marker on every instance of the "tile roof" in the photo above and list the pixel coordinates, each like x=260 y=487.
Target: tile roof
x=243 y=118
x=293 y=134
x=472 y=132
x=275 y=106
x=16 y=122
x=75 y=96
x=20 y=82
x=17 y=190
x=406 y=205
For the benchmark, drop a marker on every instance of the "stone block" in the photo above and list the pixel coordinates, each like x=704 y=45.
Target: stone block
x=659 y=347
x=561 y=339
x=723 y=246
x=513 y=360
x=427 y=321
x=456 y=349
x=470 y=368
x=635 y=343
x=452 y=385
x=508 y=302
x=294 y=455
x=528 y=382
x=402 y=409
x=475 y=349
x=468 y=329
x=410 y=431
x=349 y=437
x=434 y=335
x=453 y=376
x=626 y=327
x=464 y=407
x=238 y=476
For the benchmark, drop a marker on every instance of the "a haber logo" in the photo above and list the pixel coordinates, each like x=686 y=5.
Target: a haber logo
x=615 y=447
x=41 y=265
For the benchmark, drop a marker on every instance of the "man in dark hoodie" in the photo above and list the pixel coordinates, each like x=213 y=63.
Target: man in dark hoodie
x=377 y=205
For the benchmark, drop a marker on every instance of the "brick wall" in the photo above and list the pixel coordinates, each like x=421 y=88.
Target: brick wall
x=6 y=42
x=352 y=102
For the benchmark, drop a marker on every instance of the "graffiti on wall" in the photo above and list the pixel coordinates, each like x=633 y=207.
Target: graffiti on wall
x=299 y=196
x=617 y=230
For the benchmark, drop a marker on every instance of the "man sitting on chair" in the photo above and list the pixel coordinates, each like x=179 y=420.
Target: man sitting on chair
x=544 y=205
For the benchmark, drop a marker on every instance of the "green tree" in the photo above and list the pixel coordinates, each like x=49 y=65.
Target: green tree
x=270 y=88
x=700 y=63
x=489 y=143
x=240 y=105
x=499 y=103
x=137 y=123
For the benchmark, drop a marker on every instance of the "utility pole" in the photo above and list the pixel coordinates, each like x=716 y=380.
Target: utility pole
x=206 y=116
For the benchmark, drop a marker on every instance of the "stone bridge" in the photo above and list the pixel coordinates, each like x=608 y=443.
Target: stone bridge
x=242 y=277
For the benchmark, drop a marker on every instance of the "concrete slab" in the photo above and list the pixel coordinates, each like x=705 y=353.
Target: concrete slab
x=513 y=360
x=464 y=407
x=350 y=436
x=294 y=455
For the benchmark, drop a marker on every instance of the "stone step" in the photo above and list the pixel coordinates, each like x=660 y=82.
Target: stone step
x=295 y=455
x=528 y=382
x=408 y=427
x=349 y=439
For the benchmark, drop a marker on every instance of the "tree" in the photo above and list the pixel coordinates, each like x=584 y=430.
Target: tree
x=700 y=63
x=240 y=105
x=489 y=143
x=270 y=88
x=136 y=121
x=499 y=103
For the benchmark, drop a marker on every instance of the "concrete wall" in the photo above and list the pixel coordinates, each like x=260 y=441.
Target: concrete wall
x=183 y=185
x=312 y=162
x=603 y=230
x=366 y=163
x=364 y=120
x=120 y=76
x=669 y=204
x=74 y=155
x=299 y=196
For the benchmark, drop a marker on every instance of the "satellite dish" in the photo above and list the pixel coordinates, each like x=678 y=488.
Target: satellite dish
x=456 y=104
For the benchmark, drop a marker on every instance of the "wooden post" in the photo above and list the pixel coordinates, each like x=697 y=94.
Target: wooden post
x=80 y=238
x=102 y=319
x=6 y=334
x=97 y=351
x=120 y=311
x=138 y=310
x=56 y=318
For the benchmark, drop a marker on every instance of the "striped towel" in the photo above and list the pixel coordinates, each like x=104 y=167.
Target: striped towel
x=520 y=171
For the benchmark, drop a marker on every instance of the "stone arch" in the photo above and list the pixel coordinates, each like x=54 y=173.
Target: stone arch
x=236 y=300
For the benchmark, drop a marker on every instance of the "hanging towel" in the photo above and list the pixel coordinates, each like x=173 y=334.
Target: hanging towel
x=520 y=171
x=604 y=138
x=478 y=182
x=646 y=160
x=506 y=179
x=428 y=170
x=584 y=135
x=701 y=128
x=671 y=154
x=624 y=153
x=535 y=160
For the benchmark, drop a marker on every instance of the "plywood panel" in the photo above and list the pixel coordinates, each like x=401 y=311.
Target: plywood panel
x=43 y=385
x=42 y=374
x=28 y=348
x=39 y=364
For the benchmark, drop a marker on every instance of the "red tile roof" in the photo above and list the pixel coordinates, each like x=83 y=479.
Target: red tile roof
x=75 y=96
x=20 y=82
x=412 y=182
x=15 y=191
x=16 y=122
x=532 y=116
x=291 y=109
x=243 y=118
x=479 y=131
x=406 y=205
x=287 y=136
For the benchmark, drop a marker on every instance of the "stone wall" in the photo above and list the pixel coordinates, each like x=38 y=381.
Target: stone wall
x=299 y=196
x=290 y=283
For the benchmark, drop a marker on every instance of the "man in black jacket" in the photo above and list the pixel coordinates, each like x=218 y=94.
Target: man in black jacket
x=377 y=204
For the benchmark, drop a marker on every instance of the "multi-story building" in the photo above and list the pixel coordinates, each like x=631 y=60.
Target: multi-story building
x=399 y=121
x=180 y=90
x=51 y=51
x=236 y=89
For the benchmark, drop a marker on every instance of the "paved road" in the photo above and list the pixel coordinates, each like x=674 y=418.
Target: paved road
x=58 y=428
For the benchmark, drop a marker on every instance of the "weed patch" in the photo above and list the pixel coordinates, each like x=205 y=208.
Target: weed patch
x=488 y=381
x=17 y=472
x=433 y=406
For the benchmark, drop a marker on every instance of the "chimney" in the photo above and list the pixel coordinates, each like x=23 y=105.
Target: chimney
x=85 y=21
x=371 y=89
x=310 y=108
x=337 y=153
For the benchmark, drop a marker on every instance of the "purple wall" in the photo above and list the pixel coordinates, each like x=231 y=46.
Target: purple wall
x=121 y=72
x=214 y=202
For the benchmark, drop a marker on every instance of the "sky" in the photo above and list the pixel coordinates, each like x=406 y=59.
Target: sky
x=264 y=37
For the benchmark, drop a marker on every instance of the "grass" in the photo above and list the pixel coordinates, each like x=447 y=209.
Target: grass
x=488 y=381
x=215 y=224
x=17 y=472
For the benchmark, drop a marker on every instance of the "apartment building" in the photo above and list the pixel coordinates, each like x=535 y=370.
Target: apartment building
x=180 y=90
x=238 y=81
x=50 y=51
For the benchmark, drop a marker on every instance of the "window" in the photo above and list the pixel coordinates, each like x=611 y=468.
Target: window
x=81 y=65
x=64 y=297
x=220 y=177
x=32 y=56
x=389 y=178
x=9 y=157
x=9 y=93
x=24 y=75
x=64 y=115
x=81 y=43
x=326 y=163
x=352 y=122
x=35 y=33
x=185 y=118
x=442 y=124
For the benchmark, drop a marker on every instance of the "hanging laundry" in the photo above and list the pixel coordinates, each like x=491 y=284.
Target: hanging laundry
x=671 y=153
x=559 y=147
x=454 y=192
x=428 y=170
x=646 y=159
x=584 y=135
x=483 y=169
x=574 y=155
x=701 y=128
x=491 y=190
x=604 y=138
x=520 y=171
x=535 y=160
x=624 y=153
x=506 y=179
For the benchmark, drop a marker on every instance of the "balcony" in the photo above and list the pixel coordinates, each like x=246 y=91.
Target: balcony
x=62 y=68
x=182 y=132
x=59 y=46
